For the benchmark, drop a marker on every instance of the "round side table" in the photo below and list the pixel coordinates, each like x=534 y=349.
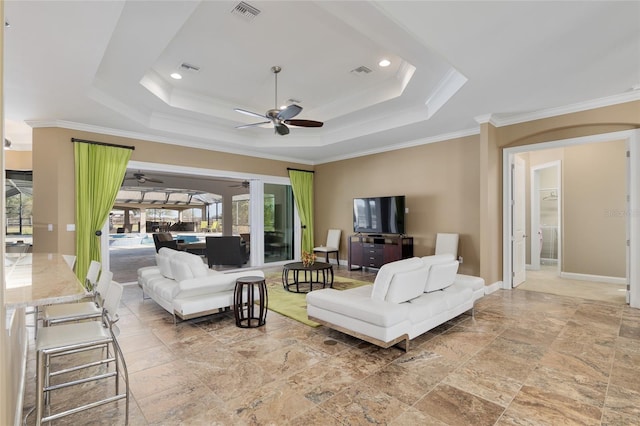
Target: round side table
x=323 y=276
x=253 y=314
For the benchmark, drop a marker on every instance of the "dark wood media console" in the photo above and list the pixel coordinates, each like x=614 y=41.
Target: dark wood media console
x=373 y=251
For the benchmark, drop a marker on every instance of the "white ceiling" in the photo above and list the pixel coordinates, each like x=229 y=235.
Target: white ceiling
x=104 y=66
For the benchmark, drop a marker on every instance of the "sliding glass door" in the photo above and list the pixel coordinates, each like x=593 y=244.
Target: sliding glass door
x=278 y=223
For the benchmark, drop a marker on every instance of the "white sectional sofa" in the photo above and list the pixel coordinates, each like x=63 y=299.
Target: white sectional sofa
x=408 y=298
x=183 y=284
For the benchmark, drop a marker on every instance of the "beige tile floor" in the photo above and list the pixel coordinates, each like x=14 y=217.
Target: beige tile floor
x=547 y=280
x=525 y=358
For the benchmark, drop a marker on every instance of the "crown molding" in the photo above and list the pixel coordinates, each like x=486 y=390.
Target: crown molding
x=508 y=120
x=410 y=144
x=486 y=118
x=159 y=139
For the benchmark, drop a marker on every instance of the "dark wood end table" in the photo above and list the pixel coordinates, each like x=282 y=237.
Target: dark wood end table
x=253 y=314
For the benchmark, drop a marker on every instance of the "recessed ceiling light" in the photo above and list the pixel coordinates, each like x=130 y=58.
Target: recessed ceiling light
x=384 y=63
x=176 y=76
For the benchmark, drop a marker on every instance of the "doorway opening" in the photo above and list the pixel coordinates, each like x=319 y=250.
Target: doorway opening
x=234 y=206
x=582 y=243
x=545 y=216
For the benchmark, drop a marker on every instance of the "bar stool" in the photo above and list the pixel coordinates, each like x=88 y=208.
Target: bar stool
x=68 y=312
x=64 y=310
x=245 y=293
x=69 y=339
x=70 y=259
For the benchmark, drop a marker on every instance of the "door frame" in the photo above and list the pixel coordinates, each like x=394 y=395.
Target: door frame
x=632 y=137
x=518 y=236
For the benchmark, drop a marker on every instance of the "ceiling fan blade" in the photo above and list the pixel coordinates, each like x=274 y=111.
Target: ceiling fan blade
x=281 y=129
x=244 y=126
x=153 y=180
x=304 y=123
x=289 y=112
x=253 y=114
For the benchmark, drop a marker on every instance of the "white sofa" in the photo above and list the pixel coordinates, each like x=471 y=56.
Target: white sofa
x=408 y=298
x=183 y=285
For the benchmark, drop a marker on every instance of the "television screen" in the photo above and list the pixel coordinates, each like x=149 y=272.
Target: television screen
x=379 y=215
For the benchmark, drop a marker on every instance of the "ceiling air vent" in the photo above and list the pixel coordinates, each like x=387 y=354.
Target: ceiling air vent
x=188 y=67
x=361 y=70
x=245 y=10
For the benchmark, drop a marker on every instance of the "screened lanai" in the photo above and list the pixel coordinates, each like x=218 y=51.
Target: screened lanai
x=147 y=209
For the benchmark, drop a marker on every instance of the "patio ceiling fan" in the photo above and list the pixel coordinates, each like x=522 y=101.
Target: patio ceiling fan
x=280 y=118
x=244 y=184
x=142 y=178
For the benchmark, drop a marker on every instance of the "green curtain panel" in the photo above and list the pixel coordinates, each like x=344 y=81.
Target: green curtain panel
x=99 y=171
x=302 y=186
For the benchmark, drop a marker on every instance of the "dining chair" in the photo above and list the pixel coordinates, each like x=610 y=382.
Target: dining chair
x=447 y=244
x=332 y=246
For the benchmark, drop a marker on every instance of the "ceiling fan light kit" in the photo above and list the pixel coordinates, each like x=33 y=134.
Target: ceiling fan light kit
x=280 y=118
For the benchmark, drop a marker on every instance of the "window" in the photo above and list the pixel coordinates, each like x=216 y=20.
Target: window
x=19 y=202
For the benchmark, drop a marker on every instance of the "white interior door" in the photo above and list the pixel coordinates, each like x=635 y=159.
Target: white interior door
x=518 y=235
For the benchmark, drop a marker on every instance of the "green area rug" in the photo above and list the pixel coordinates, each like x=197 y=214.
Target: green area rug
x=294 y=305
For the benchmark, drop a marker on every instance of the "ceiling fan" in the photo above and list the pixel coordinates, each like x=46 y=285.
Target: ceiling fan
x=142 y=178
x=279 y=117
x=244 y=184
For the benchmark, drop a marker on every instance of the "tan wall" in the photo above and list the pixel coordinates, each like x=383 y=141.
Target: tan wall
x=53 y=192
x=18 y=160
x=53 y=177
x=594 y=192
x=440 y=181
x=490 y=204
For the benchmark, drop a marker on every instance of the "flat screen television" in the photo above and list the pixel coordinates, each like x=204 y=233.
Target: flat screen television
x=379 y=215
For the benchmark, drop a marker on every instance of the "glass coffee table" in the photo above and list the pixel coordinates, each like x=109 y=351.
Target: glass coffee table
x=298 y=278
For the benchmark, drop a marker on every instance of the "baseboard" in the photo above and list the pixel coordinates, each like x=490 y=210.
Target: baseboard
x=493 y=287
x=596 y=278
